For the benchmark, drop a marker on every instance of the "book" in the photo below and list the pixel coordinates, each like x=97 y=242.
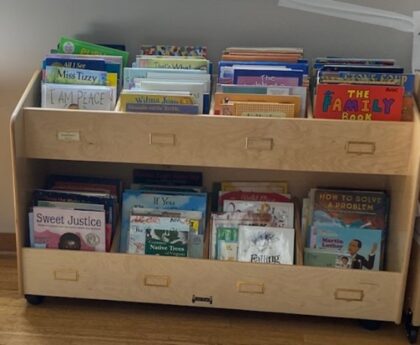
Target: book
x=155 y=97
x=227 y=243
x=168 y=177
x=252 y=196
x=259 y=109
x=73 y=46
x=326 y=258
x=266 y=244
x=153 y=61
x=267 y=77
x=154 y=108
x=255 y=186
x=365 y=246
x=151 y=234
x=69 y=229
x=88 y=97
x=359 y=102
x=173 y=50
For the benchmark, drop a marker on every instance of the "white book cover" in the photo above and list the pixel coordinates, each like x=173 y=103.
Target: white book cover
x=69 y=229
x=278 y=214
x=261 y=244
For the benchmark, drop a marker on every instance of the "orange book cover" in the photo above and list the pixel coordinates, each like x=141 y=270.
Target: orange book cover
x=221 y=98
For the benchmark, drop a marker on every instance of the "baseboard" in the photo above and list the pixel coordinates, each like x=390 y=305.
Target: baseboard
x=7 y=242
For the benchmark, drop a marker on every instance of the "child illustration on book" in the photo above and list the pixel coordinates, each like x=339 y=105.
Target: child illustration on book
x=359 y=261
x=69 y=241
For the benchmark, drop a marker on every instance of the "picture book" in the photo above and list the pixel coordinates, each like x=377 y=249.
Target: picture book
x=259 y=109
x=349 y=208
x=358 y=102
x=326 y=258
x=277 y=214
x=266 y=244
x=155 y=97
x=267 y=77
x=65 y=75
x=144 y=227
x=88 y=97
x=255 y=186
x=227 y=243
x=252 y=196
x=73 y=46
x=74 y=61
x=69 y=229
x=221 y=99
x=153 y=61
x=173 y=50
x=364 y=245
x=168 y=237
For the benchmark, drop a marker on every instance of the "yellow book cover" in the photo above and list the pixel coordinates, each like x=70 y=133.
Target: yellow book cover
x=154 y=98
x=221 y=99
x=264 y=109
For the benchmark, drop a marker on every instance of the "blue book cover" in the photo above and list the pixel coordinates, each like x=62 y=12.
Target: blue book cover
x=190 y=109
x=162 y=200
x=74 y=62
x=365 y=246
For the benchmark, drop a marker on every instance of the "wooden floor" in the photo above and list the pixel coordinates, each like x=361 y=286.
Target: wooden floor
x=82 y=322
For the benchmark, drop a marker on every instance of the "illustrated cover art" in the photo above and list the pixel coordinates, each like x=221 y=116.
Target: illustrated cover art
x=227 y=243
x=251 y=196
x=69 y=229
x=326 y=258
x=266 y=244
x=141 y=225
x=277 y=214
x=365 y=246
x=173 y=50
x=286 y=77
x=167 y=236
x=359 y=102
x=350 y=208
x=255 y=186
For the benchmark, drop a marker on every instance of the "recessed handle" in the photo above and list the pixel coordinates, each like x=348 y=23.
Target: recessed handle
x=68 y=136
x=155 y=280
x=349 y=295
x=253 y=288
x=67 y=275
x=162 y=139
x=361 y=147
x=255 y=143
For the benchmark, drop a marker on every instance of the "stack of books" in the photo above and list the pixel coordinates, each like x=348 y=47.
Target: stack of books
x=255 y=223
x=362 y=89
x=72 y=80
x=262 y=82
x=168 y=79
x=345 y=228
x=164 y=213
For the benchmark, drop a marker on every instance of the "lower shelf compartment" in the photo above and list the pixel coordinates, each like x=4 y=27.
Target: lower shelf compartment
x=216 y=284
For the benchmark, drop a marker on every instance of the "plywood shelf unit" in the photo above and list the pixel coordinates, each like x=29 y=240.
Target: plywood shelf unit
x=305 y=152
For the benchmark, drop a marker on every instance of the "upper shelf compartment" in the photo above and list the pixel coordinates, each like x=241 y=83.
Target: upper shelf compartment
x=218 y=141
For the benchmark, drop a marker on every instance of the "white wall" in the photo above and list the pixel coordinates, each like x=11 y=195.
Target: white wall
x=29 y=28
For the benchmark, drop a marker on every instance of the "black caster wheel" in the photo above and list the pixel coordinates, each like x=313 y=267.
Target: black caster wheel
x=371 y=325
x=34 y=299
x=410 y=330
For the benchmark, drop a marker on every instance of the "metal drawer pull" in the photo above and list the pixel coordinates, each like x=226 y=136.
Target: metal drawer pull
x=257 y=288
x=162 y=139
x=253 y=143
x=349 y=295
x=68 y=275
x=361 y=147
x=151 y=280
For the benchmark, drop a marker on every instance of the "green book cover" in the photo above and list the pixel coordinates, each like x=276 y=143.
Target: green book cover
x=166 y=242
x=72 y=46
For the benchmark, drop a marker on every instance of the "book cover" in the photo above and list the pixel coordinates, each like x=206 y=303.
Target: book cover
x=66 y=75
x=359 y=102
x=277 y=214
x=168 y=177
x=326 y=258
x=266 y=244
x=186 y=109
x=74 y=61
x=173 y=50
x=169 y=237
x=365 y=246
x=262 y=109
x=227 y=243
x=155 y=97
x=88 y=97
x=252 y=196
x=149 y=61
x=267 y=77
x=255 y=186
x=73 y=46
x=69 y=229
x=224 y=98
x=148 y=227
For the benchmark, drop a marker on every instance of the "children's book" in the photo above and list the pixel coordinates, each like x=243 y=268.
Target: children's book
x=266 y=244
x=69 y=229
x=255 y=186
x=173 y=50
x=267 y=77
x=326 y=258
x=168 y=177
x=359 y=102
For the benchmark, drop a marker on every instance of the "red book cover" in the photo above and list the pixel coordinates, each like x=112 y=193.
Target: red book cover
x=359 y=102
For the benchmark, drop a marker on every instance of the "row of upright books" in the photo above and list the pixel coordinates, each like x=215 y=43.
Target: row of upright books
x=166 y=213
x=251 y=81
